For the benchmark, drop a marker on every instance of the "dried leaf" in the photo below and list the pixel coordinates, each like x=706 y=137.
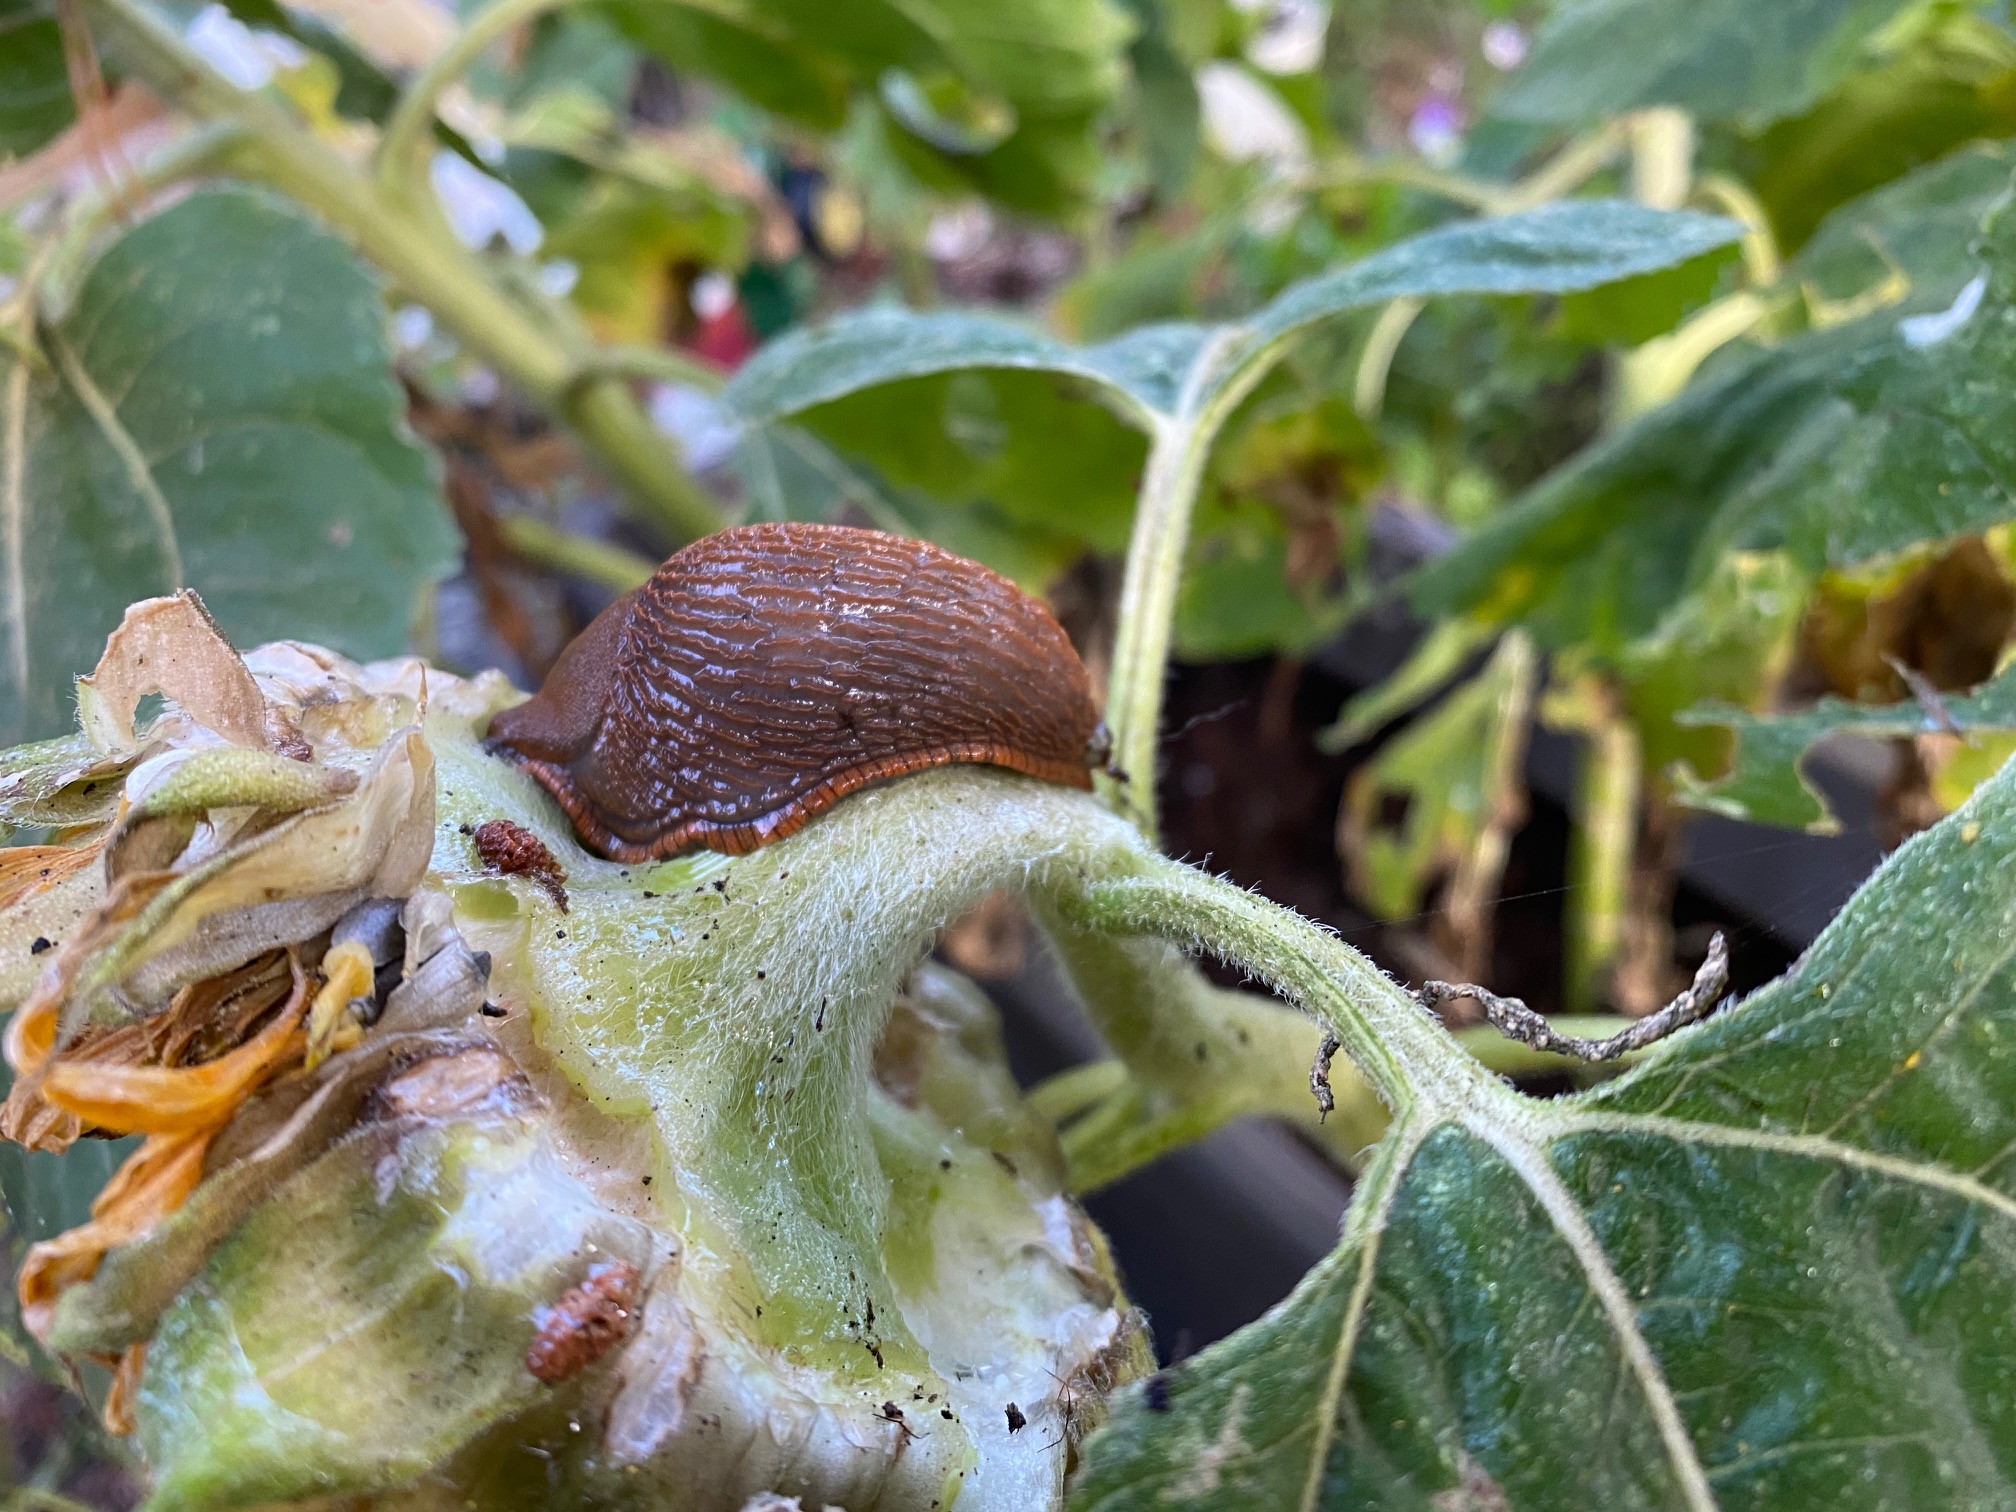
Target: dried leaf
x=170 y=646
x=60 y=783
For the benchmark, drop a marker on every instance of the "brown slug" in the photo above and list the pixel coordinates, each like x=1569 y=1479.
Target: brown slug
x=766 y=672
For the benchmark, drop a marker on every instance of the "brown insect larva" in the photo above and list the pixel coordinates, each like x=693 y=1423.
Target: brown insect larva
x=514 y=851
x=766 y=672
x=584 y=1324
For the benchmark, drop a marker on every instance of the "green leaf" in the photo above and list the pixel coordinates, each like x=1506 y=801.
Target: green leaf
x=1038 y=74
x=1841 y=447
x=34 y=88
x=1769 y=1268
x=1953 y=87
x=1237 y=601
x=1440 y=655
x=218 y=412
x=1723 y=59
x=1764 y=783
x=1154 y=371
x=1166 y=113
x=1921 y=227
x=766 y=67
x=792 y=474
x=818 y=364
x=1732 y=642
x=1014 y=441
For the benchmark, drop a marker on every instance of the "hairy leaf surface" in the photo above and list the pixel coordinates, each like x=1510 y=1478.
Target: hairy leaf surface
x=1154 y=371
x=1771 y=1267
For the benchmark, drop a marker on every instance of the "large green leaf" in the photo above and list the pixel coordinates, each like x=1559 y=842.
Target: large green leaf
x=791 y=474
x=1950 y=86
x=1773 y=1267
x=1036 y=74
x=971 y=408
x=1921 y=227
x=1157 y=370
x=217 y=412
x=1841 y=446
x=1717 y=59
x=34 y=89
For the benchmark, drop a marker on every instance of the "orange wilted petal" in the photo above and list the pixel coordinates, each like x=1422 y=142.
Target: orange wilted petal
x=31 y=1033
x=118 y=1411
x=156 y=1179
x=176 y=1099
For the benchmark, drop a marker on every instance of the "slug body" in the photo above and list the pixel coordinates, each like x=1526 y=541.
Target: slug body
x=766 y=672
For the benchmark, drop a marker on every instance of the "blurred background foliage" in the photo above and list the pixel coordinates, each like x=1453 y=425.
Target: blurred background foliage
x=494 y=268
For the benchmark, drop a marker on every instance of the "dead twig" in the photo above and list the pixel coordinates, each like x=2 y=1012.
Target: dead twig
x=1515 y=1020
x=1319 y=1076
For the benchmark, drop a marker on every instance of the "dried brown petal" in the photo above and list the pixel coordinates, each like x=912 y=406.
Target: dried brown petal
x=170 y=646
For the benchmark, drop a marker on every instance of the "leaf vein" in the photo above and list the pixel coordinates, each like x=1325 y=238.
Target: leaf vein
x=128 y=452
x=1530 y=1164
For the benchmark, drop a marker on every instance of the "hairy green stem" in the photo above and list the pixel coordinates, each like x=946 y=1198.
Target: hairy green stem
x=1561 y=174
x=1398 y=1048
x=1222 y=375
x=664 y=364
x=1382 y=343
x=1410 y=173
x=1606 y=842
x=1199 y=1057
x=546 y=358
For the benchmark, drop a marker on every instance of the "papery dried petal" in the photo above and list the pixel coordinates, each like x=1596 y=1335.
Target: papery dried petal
x=118 y=1412
x=31 y=1035
x=171 y=646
